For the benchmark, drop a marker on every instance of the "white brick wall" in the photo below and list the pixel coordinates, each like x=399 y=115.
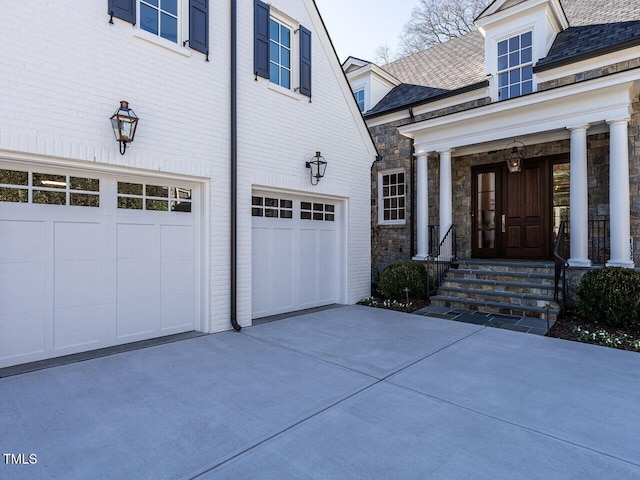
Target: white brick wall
x=64 y=69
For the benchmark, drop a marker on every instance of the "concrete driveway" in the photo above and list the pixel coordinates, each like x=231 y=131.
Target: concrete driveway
x=346 y=393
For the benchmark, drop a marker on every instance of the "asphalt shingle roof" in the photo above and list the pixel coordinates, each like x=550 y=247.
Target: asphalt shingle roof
x=460 y=62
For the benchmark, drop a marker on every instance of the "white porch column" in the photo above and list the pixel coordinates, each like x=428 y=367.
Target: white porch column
x=446 y=189
x=579 y=198
x=619 y=204
x=422 y=200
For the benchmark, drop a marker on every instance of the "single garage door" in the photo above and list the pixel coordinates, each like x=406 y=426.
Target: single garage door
x=295 y=253
x=91 y=260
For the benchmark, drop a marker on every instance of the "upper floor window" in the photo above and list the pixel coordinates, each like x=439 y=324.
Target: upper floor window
x=515 y=66
x=160 y=17
x=279 y=54
x=359 y=94
x=281 y=50
x=175 y=21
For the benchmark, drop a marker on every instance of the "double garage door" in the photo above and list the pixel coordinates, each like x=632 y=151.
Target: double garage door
x=296 y=253
x=92 y=260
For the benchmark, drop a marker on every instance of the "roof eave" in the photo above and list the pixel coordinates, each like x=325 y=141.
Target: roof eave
x=586 y=56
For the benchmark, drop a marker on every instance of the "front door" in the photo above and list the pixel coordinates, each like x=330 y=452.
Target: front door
x=511 y=211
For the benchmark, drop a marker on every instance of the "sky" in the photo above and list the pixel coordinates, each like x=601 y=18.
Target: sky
x=359 y=27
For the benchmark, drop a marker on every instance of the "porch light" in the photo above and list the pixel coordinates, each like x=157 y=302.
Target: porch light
x=124 y=123
x=514 y=153
x=317 y=166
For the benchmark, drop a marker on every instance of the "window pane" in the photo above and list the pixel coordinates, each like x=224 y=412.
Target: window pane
x=284 y=57
x=503 y=62
x=130 y=188
x=274 y=31
x=504 y=93
x=274 y=73
x=525 y=40
x=14 y=177
x=305 y=215
x=394 y=190
x=48 y=180
x=151 y=2
x=49 y=198
x=271 y=213
x=169 y=28
x=503 y=79
x=527 y=87
x=156 y=191
x=285 y=35
x=329 y=217
x=385 y=180
x=274 y=52
x=84 y=200
x=514 y=76
x=527 y=73
x=271 y=202
x=182 y=193
x=256 y=200
x=393 y=178
x=329 y=208
x=401 y=178
x=305 y=206
x=20 y=195
x=502 y=47
x=256 y=212
x=180 y=206
x=514 y=59
x=525 y=56
x=286 y=214
x=148 y=19
x=318 y=216
x=286 y=204
x=86 y=184
x=286 y=79
x=170 y=6
x=130 y=203
x=158 y=205
x=514 y=91
x=514 y=44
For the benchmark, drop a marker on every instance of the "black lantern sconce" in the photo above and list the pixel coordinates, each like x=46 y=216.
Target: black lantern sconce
x=514 y=153
x=124 y=123
x=317 y=166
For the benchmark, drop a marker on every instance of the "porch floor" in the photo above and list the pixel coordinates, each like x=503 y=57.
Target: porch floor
x=535 y=326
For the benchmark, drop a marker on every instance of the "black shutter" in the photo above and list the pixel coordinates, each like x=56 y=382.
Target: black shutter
x=305 y=61
x=123 y=9
x=261 y=15
x=199 y=25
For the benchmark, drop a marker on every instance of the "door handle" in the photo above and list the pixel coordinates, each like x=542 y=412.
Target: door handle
x=504 y=224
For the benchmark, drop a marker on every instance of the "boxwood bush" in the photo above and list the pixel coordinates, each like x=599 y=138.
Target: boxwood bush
x=398 y=276
x=611 y=296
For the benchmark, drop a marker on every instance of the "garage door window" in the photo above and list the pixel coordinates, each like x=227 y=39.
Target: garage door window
x=49 y=189
x=139 y=196
x=271 y=207
x=317 y=211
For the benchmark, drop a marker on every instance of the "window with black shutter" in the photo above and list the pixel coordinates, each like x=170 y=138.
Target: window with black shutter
x=305 y=61
x=123 y=9
x=199 y=26
x=261 y=15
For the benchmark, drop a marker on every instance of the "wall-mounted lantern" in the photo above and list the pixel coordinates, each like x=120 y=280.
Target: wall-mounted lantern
x=514 y=153
x=317 y=166
x=124 y=123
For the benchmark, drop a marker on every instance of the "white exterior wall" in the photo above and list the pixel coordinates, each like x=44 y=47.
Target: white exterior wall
x=278 y=133
x=65 y=70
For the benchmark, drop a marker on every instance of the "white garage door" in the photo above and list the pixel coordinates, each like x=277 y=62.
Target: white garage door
x=91 y=260
x=295 y=253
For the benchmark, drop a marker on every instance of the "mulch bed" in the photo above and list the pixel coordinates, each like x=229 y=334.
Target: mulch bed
x=564 y=328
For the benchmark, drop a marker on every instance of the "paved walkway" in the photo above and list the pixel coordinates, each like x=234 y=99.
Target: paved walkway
x=347 y=393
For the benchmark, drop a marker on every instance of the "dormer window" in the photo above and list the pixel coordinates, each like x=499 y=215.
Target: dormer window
x=359 y=94
x=515 y=66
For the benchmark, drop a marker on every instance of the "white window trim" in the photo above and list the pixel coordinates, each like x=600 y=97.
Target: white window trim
x=381 y=220
x=183 y=26
x=294 y=26
x=492 y=57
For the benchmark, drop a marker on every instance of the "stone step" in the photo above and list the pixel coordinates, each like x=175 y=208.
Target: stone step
x=495 y=307
x=506 y=266
x=498 y=285
x=533 y=277
x=515 y=298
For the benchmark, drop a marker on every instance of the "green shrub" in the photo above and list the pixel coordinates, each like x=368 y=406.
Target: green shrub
x=398 y=276
x=611 y=296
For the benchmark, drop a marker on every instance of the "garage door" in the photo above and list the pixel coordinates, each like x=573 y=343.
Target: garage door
x=90 y=260
x=295 y=253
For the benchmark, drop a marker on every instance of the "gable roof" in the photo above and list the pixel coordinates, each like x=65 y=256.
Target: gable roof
x=459 y=64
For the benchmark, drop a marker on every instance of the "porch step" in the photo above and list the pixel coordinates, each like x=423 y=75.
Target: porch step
x=502 y=287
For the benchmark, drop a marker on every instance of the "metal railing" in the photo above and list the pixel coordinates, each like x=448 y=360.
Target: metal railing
x=440 y=258
x=561 y=264
x=599 y=235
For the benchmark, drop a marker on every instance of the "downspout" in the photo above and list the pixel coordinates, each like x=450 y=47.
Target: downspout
x=234 y=171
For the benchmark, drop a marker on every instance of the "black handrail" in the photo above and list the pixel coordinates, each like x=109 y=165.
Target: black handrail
x=561 y=264
x=439 y=260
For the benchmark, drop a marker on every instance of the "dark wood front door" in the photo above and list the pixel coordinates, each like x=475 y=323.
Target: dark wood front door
x=511 y=215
